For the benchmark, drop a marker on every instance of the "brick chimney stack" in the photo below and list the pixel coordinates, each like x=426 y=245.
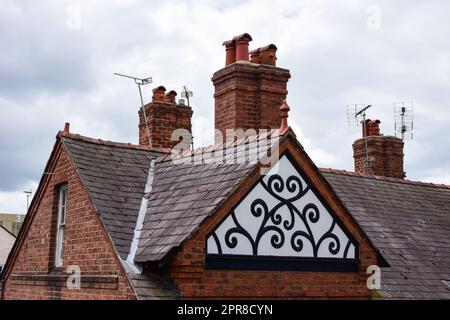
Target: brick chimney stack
x=250 y=88
x=385 y=153
x=164 y=116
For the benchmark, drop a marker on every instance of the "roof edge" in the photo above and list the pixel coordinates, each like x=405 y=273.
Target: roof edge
x=270 y=134
x=382 y=178
x=78 y=137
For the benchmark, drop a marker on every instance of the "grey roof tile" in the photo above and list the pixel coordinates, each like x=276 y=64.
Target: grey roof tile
x=409 y=223
x=182 y=197
x=115 y=178
x=153 y=285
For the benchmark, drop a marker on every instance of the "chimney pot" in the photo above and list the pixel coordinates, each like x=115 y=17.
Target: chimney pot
x=67 y=127
x=242 y=46
x=170 y=97
x=268 y=54
x=371 y=128
x=374 y=128
x=230 y=51
x=158 y=93
x=255 y=56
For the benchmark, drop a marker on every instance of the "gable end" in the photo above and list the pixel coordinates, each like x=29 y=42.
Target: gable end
x=282 y=223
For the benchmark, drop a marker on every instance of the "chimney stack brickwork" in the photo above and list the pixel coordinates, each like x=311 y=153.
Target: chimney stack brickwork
x=163 y=117
x=385 y=153
x=248 y=94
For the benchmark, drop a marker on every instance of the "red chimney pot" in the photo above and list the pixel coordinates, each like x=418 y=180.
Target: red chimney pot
x=230 y=51
x=371 y=128
x=158 y=93
x=242 y=46
x=255 y=56
x=268 y=54
x=170 y=97
x=67 y=127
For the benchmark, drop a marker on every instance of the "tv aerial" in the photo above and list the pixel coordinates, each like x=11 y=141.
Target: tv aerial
x=404 y=120
x=186 y=94
x=140 y=82
x=356 y=115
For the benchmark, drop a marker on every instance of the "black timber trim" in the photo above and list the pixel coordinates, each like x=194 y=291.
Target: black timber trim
x=246 y=262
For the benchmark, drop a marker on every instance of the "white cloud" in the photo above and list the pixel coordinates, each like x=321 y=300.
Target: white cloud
x=50 y=74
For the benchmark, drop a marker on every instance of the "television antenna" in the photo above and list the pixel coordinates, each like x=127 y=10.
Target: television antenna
x=186 y=94
x=404 y=120
x=141 y=82
x=356 y=115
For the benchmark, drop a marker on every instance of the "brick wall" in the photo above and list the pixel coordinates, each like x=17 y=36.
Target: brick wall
x=195 y=282
x=86 y=244
x=249 y=96
x=385 y=154
x=163 y=118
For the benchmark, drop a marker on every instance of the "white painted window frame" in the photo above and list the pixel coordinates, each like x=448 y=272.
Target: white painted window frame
x=61 y=225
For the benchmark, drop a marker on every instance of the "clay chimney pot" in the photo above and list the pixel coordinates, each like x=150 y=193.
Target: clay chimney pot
x=67 y=127
x=255 y=56
x=158 y=93
x=170 y=97
x=268 y=54
x=242 y=46
x=230 y=51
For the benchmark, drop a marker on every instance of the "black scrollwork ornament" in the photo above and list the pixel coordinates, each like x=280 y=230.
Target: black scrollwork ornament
x=275 y=224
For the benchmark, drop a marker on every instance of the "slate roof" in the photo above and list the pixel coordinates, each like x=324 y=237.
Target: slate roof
x=184 y=195
x=152 y=285
x=409 y=223
x=114 y=175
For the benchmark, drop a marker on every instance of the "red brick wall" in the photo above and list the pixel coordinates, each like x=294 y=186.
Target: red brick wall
x=385 y=154
x=249 y=96
x=163 y=118
x=195 y=282
x=86 y=245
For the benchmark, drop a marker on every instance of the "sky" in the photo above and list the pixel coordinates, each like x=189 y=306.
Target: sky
x=58 y=58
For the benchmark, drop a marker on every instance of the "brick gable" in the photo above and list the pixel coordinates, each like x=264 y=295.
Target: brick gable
x=31 y=274
x=195 y=281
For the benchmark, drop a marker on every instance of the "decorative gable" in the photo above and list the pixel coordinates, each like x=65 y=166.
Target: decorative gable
x=282 y=223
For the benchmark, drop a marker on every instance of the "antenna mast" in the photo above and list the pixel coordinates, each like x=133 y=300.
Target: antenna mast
x=185 y=93
x=356 y=114
x=141 y=82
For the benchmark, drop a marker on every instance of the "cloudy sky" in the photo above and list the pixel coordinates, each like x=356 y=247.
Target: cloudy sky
x=58 y=58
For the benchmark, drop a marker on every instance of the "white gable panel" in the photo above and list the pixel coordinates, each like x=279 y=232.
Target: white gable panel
x=282 y=217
